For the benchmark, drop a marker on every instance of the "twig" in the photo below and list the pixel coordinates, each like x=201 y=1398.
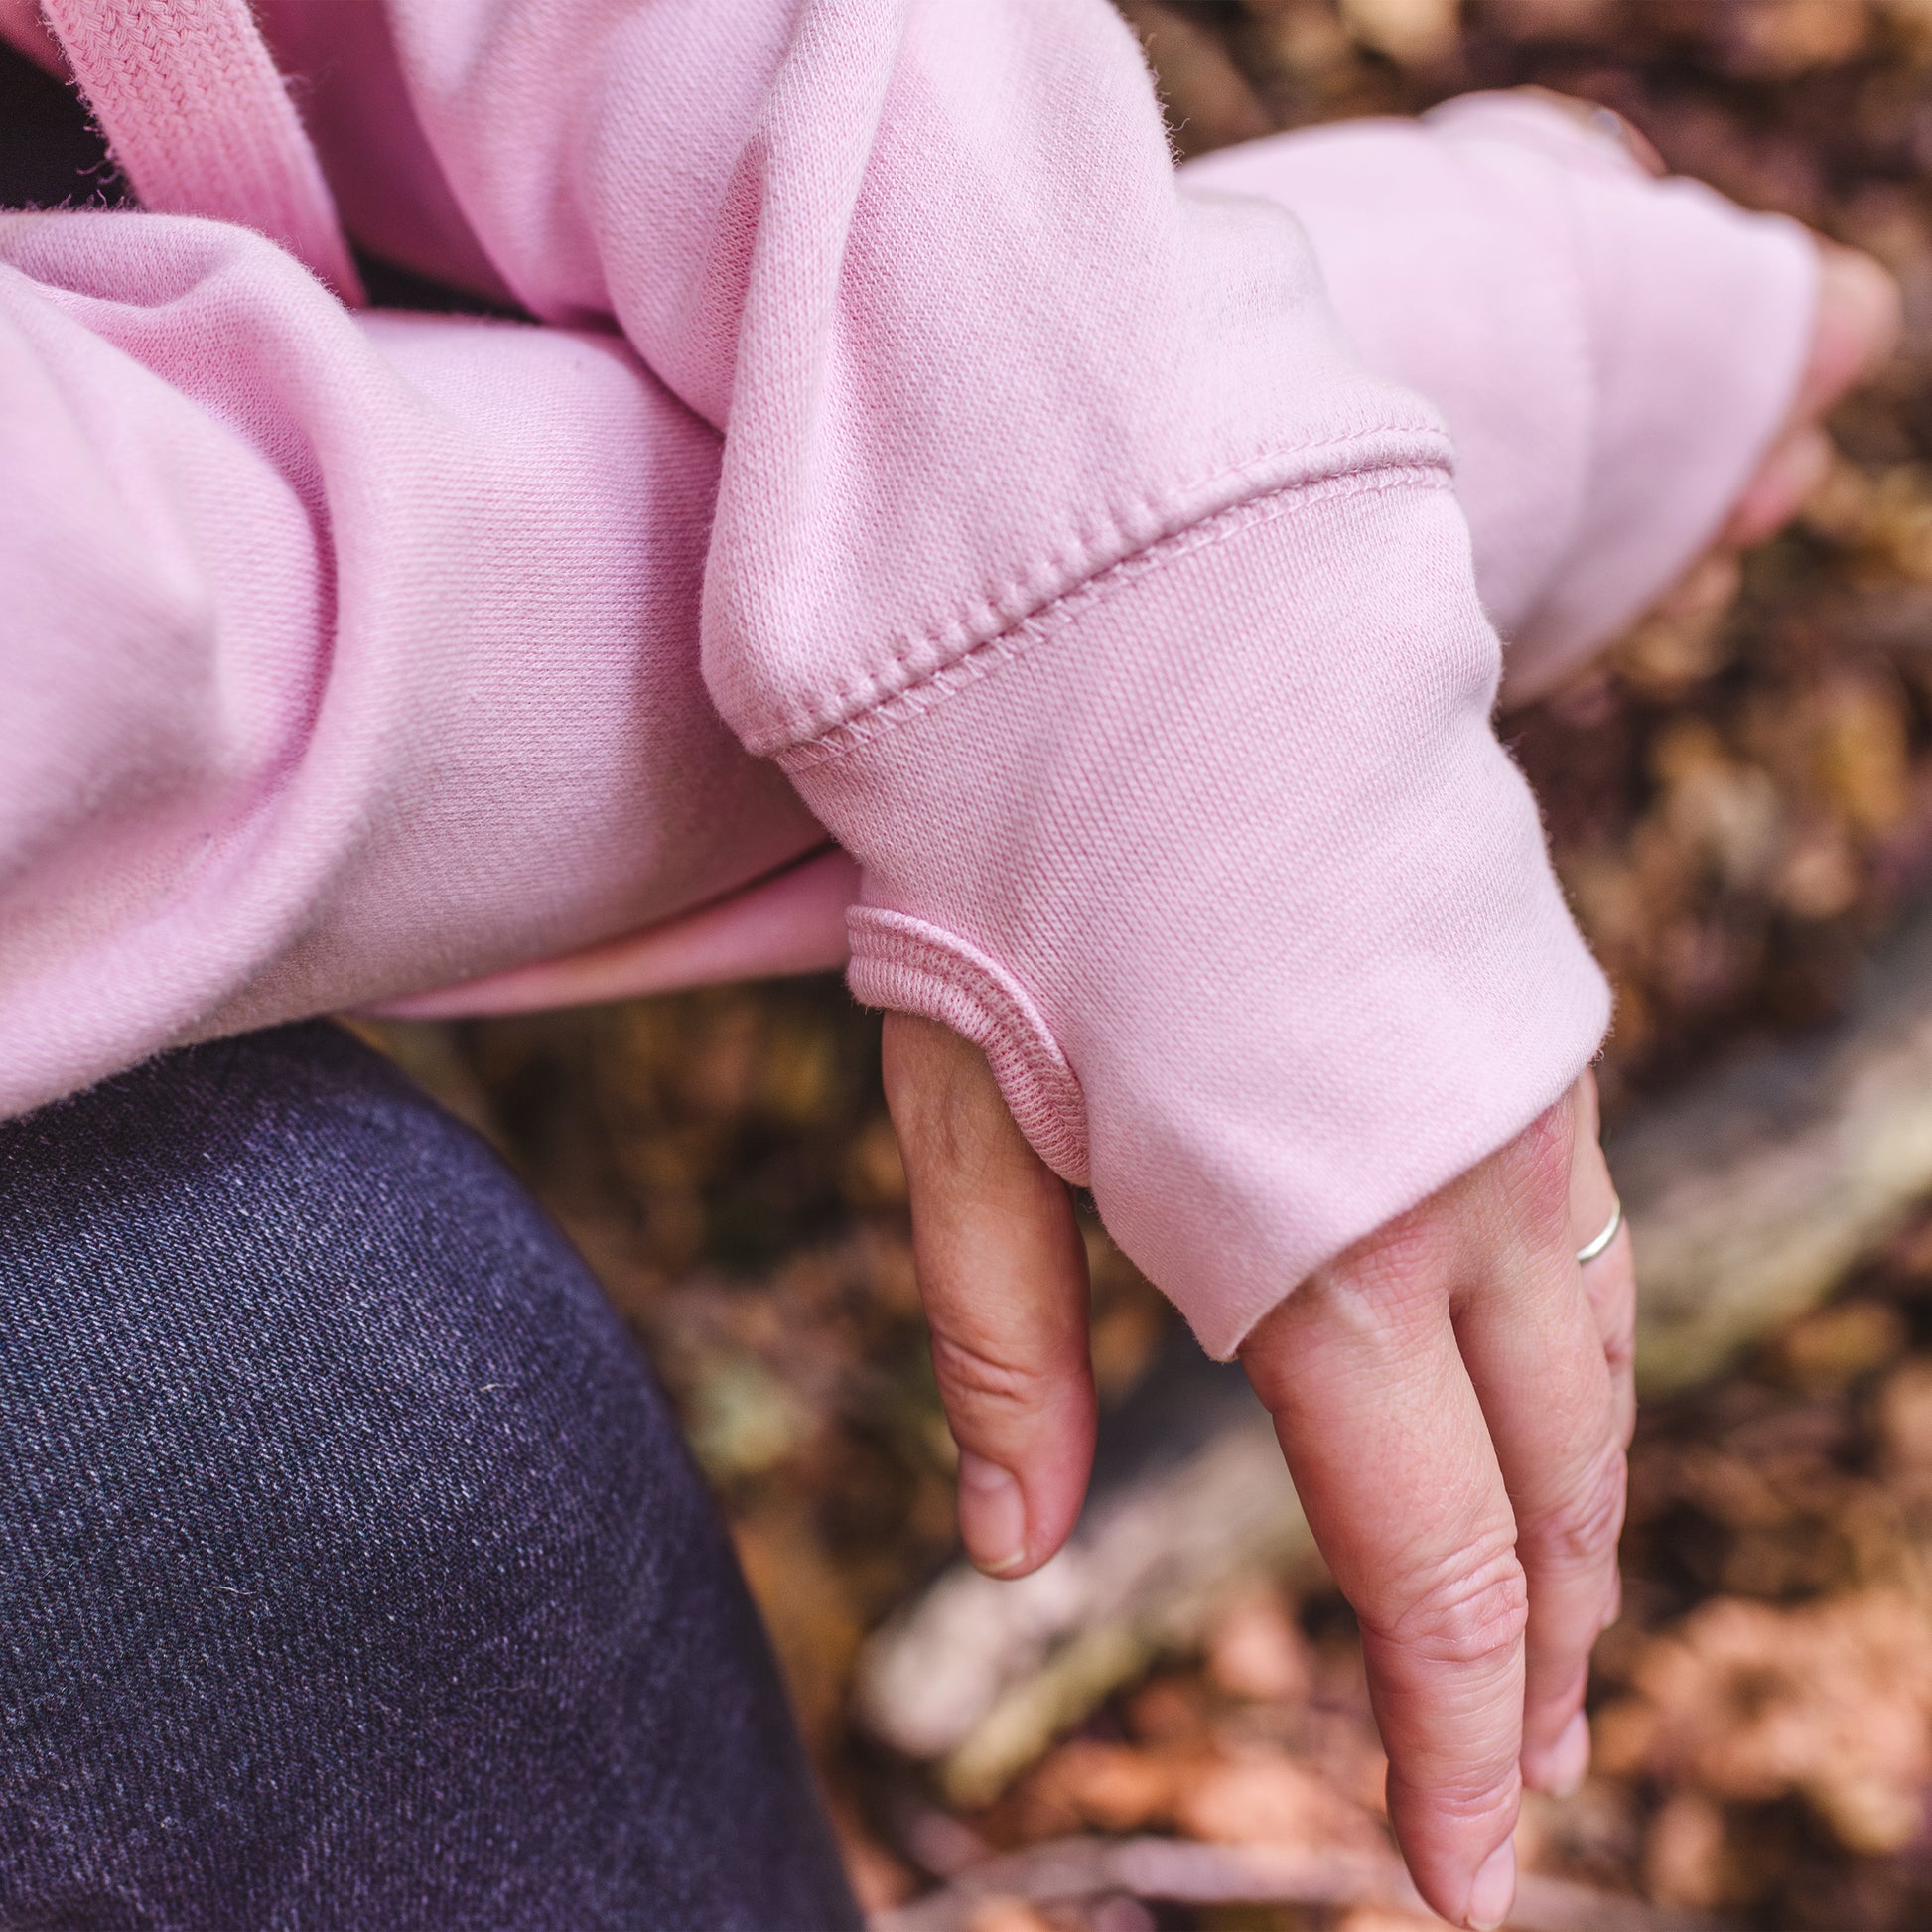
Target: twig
x=1750 y=1198
x=982 y=1676
x=1180 y=1872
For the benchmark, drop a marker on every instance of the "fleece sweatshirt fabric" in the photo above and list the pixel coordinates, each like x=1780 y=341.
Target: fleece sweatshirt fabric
x=908 y=453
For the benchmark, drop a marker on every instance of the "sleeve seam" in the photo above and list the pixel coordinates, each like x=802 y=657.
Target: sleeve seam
x=1115 y=536
x=915 y=695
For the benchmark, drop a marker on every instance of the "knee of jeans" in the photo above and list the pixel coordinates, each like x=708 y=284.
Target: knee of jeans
x=287 y=1343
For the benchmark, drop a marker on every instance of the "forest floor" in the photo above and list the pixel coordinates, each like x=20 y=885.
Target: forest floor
x=1741 y=805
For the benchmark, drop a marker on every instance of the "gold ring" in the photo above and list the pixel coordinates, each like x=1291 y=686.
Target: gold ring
x=1591 y=1249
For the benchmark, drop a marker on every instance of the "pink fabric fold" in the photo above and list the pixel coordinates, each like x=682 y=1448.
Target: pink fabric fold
x=792 y=922
x=1214 y=1038
x=1493 y=257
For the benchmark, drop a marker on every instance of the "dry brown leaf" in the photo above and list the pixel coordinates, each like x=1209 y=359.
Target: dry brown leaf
x=1170 y=1710
x=1594 y=1833
x=1905 y=1422
x=1828 y=1351
x=1384 y=1919
x=807 y=1608
x=1863 y=754
x=1777 y=40
x=1415 y=32
x=1113 y=1787
x=1010 y=1916
x=1829 y=1702
x=1209 y=102
x=1818 y=876
x=879 y=1881
x=1530 y=21
x=875 y=1175
x=1256 y=1651
x=1666 y=657
x=1686 y=1860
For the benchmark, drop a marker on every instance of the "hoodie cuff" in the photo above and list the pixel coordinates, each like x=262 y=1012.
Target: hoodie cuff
x=1223 y=865
x=1614 y=352
x=1696 y=318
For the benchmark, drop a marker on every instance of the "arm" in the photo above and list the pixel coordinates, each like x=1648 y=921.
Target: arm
x=1075 y=573
x=1127 y=635
x=1614 y=353
x=1086 y=589
x=342 y=658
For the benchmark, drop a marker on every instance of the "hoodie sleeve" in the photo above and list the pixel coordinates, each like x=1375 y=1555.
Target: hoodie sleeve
x=1614 y=352
x=341 y=656
x=1085 y=585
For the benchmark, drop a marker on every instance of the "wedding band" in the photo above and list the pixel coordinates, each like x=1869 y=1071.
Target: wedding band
x=1590 y=1250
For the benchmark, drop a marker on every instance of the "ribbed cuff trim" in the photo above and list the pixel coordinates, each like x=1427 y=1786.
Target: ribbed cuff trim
x=909 y=966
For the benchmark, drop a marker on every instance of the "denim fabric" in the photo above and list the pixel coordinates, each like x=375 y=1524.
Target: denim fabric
x=353 y=1574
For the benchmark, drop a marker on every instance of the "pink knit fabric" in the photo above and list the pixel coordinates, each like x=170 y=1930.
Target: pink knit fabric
x=1215 y=1037
x=1502 y=260
x=792 y=922
x=1612 y=353
x=1027 y=508
x=199 y=123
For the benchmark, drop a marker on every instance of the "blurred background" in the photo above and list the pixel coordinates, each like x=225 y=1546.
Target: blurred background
x=1741 y=810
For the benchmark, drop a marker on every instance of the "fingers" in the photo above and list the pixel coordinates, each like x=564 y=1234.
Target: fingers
x=1792 y=468
x=1391 y=1453
x=1445 y=1402
x=1530 y=1339
x=1860 y=317
x=1857 y=329
x=1004 y=1276
x=1610 y=1280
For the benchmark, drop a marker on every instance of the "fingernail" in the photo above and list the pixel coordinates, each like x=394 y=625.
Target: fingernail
x=1494 y=1890
x=992 y=1514
x=1570 y=1757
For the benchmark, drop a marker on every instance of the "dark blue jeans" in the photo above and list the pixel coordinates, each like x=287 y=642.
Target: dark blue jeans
x=353 y=1574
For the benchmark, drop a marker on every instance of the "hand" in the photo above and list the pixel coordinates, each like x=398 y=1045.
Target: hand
x=1855 y=332
x=1453 y=1397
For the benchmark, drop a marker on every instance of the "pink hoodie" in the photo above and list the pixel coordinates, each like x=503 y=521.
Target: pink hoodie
x=1023 y=504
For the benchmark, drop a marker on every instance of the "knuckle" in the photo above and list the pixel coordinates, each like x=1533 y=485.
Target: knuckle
x=1537 y=1173
x=1620 y=1349
x=1486 y=1794
x=1389 y=1282
x=1584 y=1526
x=975 y=1380
x=1473 y=1611
x=1620 y=1329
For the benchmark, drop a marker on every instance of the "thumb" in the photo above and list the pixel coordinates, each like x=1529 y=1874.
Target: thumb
x=1004 y=1276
